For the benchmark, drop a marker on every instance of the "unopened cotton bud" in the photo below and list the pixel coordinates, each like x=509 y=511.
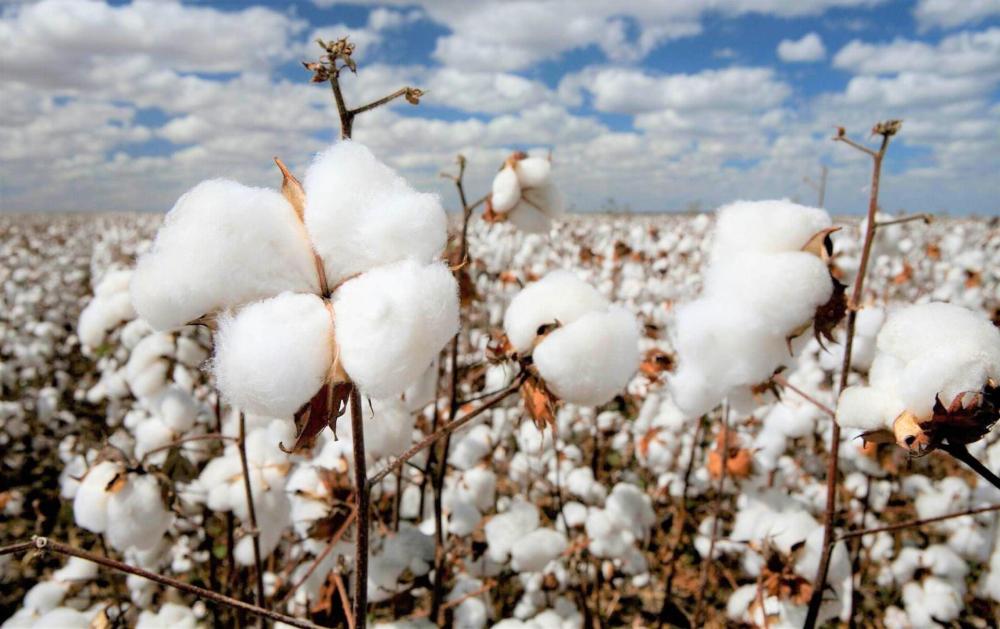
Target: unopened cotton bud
x=392 y=321
x=223 y=244
x=272 y=356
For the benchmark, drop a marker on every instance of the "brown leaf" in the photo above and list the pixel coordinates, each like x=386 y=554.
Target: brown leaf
x=973 y=279
x=739 y=461
x=820 y=244
x=539 y=402
x=829 y=315
x=656 y=362
x=966 y=419
x=321 y=411
x=933 y=251
x=903 y=276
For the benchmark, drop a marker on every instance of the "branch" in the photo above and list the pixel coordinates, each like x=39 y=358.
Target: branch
x=962 y=454
x=361 y=485
x=412 y=95
x=444 y=430
x=188 y=439
x=716 y=507
x=913 y=523
x=783 y=381
x=45 y=544
x=926 y=218
x=254 y=531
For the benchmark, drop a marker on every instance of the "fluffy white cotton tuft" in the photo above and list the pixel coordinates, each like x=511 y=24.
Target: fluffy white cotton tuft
x=923 y=352
x=536 y=549
x=523 y=190
x=137 y=517
x=273 y=355
x=590 y=360
x=222 y=245
x=392 y=321
x=505 y=530
x=90 y=506
x=760 y=291
x=361 y=214
x=560 y=296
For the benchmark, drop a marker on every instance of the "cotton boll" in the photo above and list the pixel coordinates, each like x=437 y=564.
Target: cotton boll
x=590 y=360
x=177 y=409
x=170 y=616
x=559 y=296
x=533 y=172
x=916 y=330
x=392 y=321
x=766 y=226
x=273 y=355
x=538 y=206
x=942 y=372
x=361 y=214
x=867 y=408
x=223 y=244
x=90 y=504
x=536 y=549
x=506 y=530
x=137 y=517
x=506 y=190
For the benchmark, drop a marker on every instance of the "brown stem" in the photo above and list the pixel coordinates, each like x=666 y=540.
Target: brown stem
x=716 y=508
x=962 y=454
x=783 y=381
x=361 y=486
x=319 y=559
x=45 y=544
x=254 y=531
x=926 y=218
x=447 y=429
x=819 y=582
x=382 y=101
x=914 y=523
x=188 y=439
x=346 y=119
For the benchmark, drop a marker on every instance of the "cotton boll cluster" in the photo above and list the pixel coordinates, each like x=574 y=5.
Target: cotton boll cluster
x=524 y=193
x=616 y=530
x=924 y=353
x=594 y=349
x=127 y=508
x=761 y=290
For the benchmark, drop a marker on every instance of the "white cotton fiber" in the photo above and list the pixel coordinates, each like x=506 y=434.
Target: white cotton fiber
x=590 y=360
x=506 y=190
x=766 y=226
x=505 y=530
x=361 y=214
x=137 y=517
x=536 y=549
x=274 y=355
x=524 y=192
x=867 y=408
x=533 y=172
x=90 y=506
x=223 y=244
x=392 y=321
x=560 y=296
x=388 y=428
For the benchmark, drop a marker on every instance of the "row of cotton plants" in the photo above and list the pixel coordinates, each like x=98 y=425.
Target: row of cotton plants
x=651 y=438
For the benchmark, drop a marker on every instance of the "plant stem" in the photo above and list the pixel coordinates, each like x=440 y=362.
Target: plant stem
x=254 y=531
x=716 y=508
x=783 y=381
x=961 y=453
x=926 y=218
x=914 y=523
x=45 y=544
x=448 y=428
x=819 y=582
x=361 y=486
x=205 y=437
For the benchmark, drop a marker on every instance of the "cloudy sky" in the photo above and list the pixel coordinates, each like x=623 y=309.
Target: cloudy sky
x=648 y=105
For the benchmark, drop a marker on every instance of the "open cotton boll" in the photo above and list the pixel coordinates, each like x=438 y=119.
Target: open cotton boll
x=946 y=372
x=170 y=616
x=392 y=321
x=137 y=517
x=916 y=330
x=223 y=244
x=538 y=206
x=90 y=505
x=361 y=214
x=506 y=190
x=867 y=408
x=590 y=360
x=766 y=227
x=536 y=549
x=273 y=355
x=559 y=296
x=533 y=172
x=506 y=530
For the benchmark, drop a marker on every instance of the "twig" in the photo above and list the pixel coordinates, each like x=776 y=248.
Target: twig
x=442 y=431
x=819 y=582
x=926 y=218
x=361 y=486
x=914 y=523
x=319 y=559
x=783 y=381
x=205 y=437
x=403 y=91
x=344 y=602
x=45 y=544
x=254 y=531
x=716 y=508
x=961 y=453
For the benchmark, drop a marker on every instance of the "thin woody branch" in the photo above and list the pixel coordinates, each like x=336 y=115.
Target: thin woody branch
x=254 y=531
x=915 y=523
x=926 y=218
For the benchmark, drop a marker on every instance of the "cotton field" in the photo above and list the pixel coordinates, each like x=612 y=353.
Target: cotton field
x=645 y=407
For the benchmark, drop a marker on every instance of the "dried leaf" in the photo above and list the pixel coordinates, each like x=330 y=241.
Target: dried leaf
x=539 y=402
x=933 y=251
x=903 y=276
x=966 y=419
x=321 y=411
x=656 y=362
x=829 y=315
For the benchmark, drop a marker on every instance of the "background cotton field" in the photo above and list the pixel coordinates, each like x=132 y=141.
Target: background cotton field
x=388 y=359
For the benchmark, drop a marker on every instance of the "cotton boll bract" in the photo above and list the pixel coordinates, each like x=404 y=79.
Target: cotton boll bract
x=272 y=356
x=223 y=244
x=392 y=321
x=362 y=215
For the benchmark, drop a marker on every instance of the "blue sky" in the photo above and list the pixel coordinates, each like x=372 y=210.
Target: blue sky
x=657 y=105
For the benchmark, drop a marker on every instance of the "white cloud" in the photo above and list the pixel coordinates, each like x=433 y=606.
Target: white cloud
x=951 y=13
x=809 y=48
x=964 y=53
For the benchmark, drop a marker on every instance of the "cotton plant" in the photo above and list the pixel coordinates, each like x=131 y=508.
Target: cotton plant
x=524 y=193
x=338 y=280
x=934 y=379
